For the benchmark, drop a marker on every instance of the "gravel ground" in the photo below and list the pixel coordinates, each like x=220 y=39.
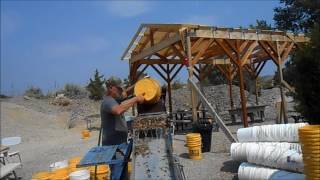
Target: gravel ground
x=216 y=164
x=45 y=138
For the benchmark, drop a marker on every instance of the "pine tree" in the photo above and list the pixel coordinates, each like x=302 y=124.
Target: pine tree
x=306 y=65
x=95 y=86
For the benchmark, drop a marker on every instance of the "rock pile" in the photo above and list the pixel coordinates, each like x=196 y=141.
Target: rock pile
x=218 y=96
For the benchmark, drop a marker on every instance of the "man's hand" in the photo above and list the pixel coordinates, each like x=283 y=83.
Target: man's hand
x=140 y=99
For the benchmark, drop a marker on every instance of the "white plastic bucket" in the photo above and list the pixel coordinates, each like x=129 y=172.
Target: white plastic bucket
x=249 y=171
x=80 y=175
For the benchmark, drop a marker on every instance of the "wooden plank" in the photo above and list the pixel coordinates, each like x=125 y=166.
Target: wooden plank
x=157 y=47
x=263 y=36
x=212 y=111
x=132 y=41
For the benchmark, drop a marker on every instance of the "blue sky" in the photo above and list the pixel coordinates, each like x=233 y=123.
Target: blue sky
x=44 y=43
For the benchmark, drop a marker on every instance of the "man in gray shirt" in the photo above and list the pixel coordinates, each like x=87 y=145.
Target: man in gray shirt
x=114 y=126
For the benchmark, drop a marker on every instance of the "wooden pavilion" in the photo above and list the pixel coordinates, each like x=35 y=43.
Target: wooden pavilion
x=167 y=48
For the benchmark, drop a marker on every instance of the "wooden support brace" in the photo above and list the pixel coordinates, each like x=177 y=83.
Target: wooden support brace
x=157 y=70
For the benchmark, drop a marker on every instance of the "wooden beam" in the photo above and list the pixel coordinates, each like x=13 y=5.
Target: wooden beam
x=169 y=88
x=259 y=71
x=243 y=99
x=140 y=73
x=226 y=50
x=265 y=47
x=232 y=46
x=157 y=47
x=197 y=43
x=160 y=61
x=178 y=52
x=286 y=52
x=223 y=33
x=200 y=53
x=157 y=70
x=177 y=71
x=248 y=52
x=172 y=68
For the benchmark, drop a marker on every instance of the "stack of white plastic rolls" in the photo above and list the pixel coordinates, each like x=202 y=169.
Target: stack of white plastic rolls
x=269 y=152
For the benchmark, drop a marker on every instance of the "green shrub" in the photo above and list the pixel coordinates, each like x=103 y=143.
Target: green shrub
x=34 y=92
x=95 y=86
x=74 y=91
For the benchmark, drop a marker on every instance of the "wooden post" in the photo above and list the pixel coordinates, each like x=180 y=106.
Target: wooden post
x=169 y=89
x=230 y=93
x=193 y=98
x=283 y=100
x=243 y=98
x=256 y=92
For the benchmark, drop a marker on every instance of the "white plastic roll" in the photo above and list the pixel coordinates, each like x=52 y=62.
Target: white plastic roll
x=272 y=156
x=270 y=133
x=249 y=171
x=239 y=151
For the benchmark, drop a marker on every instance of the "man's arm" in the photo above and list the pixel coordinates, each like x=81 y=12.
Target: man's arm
x=125 y=105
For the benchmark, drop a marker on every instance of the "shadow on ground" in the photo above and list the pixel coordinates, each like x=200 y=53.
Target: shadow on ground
x=230 y=166
x=184 y=155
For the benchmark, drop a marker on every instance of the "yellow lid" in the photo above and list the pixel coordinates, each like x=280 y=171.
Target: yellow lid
x=42 y=175
x=150 y=88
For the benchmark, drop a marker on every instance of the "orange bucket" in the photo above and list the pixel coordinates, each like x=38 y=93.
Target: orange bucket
x=85 y=134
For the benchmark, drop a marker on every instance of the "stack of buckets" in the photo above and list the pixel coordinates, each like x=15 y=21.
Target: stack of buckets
x=309 y=137
x=71 y=172
x=194 y=146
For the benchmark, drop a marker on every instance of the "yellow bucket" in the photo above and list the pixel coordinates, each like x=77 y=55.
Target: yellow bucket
x=150 y=88
x=60 y=174
x=103 y=172
x=194 y=145
x=309 y=137
x=195 y=153
x=129 y=167
x=74 y=161
x=45 y=175
x=85 y=134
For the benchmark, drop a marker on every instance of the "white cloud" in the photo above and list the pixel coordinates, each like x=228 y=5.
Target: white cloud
x=202 y=19
x=128 y=8
x=66 y=49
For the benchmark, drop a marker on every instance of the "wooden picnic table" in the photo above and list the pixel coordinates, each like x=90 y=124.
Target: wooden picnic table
x=251 y=111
